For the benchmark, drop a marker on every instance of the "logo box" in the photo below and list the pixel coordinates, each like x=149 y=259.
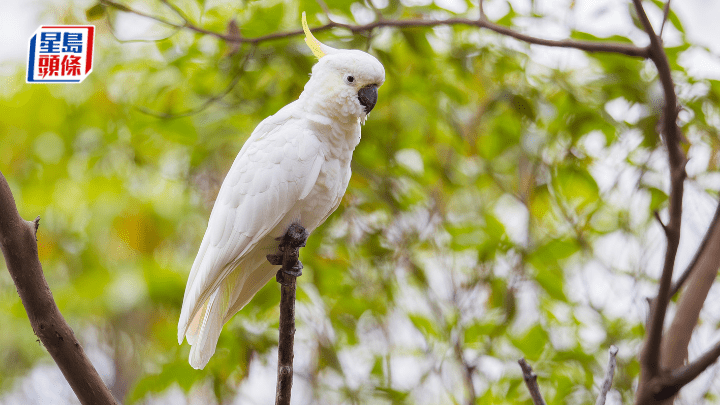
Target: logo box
x=60 y=54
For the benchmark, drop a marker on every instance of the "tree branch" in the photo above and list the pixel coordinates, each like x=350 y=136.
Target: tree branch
x=607 y=383
x=290 y=245
x=589 y=46
x=659 y=220
x=531 y=381
x=468 y=371
x=666 y=14
x=700 y=275
x=680 y=377
x=712 y=233
x=650 y=355
x=19 y=246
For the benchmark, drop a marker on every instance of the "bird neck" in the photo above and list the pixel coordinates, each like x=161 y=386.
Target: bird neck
x=339 y=136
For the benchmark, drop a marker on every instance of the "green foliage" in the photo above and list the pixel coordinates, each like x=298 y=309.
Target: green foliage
x=475 y=205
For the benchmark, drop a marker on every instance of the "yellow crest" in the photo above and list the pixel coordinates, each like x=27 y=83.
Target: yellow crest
x=310 y=40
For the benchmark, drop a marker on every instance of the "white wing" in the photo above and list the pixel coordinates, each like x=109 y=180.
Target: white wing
x=277 y=167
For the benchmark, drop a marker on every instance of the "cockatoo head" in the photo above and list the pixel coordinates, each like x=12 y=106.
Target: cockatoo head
x=344 y=83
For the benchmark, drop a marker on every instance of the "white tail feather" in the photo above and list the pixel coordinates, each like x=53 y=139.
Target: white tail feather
x=202 y=328
x=205 y=339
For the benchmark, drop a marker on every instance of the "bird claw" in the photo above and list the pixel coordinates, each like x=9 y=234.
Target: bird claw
x=295 y=271
x=290 y=244
x=275 y=259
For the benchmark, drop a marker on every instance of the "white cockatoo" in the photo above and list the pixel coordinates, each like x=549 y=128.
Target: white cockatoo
x=294 y=168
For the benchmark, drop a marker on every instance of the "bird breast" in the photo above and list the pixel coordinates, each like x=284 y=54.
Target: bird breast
x=325 y=195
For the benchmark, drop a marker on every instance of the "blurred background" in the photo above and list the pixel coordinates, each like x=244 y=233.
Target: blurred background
x=500 y=206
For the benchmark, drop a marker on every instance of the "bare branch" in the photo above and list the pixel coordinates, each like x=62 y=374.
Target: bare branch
x=18 y=241
x=531 y=381
x=650 y=369
x=324 y=8
x=649 y=358
x=700 y=253
x=700 y=275
x=680 y=377
x=607 y=383
x=657 y=217
x=124 y=8
x=177 y=10
x=589 y=46
x=468 y=370
x=378 y=13
x=290 y=245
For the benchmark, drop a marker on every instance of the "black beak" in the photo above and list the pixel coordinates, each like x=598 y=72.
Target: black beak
x=368 y=97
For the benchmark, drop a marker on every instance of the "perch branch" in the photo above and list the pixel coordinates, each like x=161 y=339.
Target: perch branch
x=288 y=257
x=531 y=381
x=19 y=246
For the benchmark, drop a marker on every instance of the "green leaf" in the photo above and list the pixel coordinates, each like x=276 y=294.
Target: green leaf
x=657 y=198
x=424 y=325
x=507 y=19
x=576 y=186
x=95 y=12
x=552 y=281
x=523 y=107
x=532 y=343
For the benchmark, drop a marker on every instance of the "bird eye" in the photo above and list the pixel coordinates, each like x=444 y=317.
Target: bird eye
x=349 y=79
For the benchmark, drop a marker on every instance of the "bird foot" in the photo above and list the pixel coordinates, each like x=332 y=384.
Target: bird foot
x=295 y=237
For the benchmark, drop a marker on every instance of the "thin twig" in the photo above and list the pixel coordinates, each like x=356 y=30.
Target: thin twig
x=177 y=10
x=324 y=8
x=531 y=381
x=207 y=103
x=607 y=383
x=468 y=371
x=589 y=46
x=662 y=225
x=18 y=240
x=666 y=14
x=113 y=32
x=378 y=13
